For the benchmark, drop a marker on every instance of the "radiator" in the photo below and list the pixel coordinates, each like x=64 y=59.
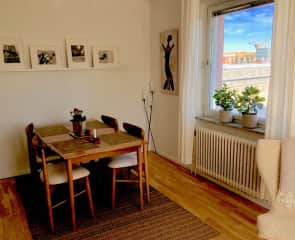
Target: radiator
x=230 y=160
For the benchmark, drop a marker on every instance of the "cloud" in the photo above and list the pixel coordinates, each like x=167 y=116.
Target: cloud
x=234 y=30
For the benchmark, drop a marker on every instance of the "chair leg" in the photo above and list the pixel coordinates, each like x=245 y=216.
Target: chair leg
x=49 y=207
x=89 y=194
x=114 y=188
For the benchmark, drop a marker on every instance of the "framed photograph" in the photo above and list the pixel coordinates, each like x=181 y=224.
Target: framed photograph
x=77 y=54
x=11 y=53
x=46 y=57
x=104 y=56
x=169 y=61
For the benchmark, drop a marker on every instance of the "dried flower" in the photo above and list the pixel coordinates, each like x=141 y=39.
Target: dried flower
x=77 y=115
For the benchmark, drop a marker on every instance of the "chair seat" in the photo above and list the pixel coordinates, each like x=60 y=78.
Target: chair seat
x=124 y=160
x=57 y=173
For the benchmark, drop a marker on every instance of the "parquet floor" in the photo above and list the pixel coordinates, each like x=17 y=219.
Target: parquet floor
x=232 y=216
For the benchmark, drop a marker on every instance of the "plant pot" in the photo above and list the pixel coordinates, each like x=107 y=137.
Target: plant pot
x=225 y=116
x=249 y=120
x=77 y=128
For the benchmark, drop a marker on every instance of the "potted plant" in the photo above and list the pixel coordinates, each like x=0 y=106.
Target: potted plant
x=248 y=104
x=77 y=120
x=225 y=98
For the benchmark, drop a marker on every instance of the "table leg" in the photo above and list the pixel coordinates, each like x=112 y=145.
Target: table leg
x=146 y=172
x=139 y=161
x=71 y=193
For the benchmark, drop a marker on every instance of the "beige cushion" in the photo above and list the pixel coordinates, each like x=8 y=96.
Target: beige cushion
x=288 y=167
x=278 y=223
x=268 y=161
x=124 y=160
x=57 y=173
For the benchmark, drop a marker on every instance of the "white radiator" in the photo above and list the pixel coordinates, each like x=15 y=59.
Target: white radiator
x=230 y=160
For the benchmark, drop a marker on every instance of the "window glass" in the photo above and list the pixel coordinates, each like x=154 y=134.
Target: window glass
x=241 y=50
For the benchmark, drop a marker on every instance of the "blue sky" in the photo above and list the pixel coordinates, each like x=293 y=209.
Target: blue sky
x=245 y=27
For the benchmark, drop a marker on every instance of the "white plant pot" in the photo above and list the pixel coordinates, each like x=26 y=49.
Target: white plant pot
x=249 y=120
x=225 y=116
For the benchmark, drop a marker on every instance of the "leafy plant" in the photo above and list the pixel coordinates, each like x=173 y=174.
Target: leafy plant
x=77 y=115
x=225 y=97
x=249 y=101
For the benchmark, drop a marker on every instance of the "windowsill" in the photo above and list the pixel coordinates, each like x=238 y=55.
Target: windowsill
x=257 y=130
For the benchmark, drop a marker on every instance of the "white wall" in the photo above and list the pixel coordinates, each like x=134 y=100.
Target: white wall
x=48 y=96
x=165 y=15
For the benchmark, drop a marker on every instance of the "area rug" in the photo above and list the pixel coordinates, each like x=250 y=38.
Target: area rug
x=160 y=219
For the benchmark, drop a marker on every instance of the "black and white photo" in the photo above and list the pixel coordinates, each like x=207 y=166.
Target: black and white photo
x=77 y=53
x=46 y=57
x=104 y=56
x=11 y=53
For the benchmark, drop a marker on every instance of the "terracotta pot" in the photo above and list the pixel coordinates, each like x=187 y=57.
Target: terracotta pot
x=249 y=120
x=225 y=116
x=77 y=128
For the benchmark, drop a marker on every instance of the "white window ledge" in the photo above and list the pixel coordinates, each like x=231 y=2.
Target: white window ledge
x=237 y=125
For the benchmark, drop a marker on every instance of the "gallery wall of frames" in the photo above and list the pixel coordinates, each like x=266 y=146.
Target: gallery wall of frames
x=78 y=55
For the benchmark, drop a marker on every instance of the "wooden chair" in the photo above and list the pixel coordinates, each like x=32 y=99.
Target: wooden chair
x=128 y=160
x=54 y=173
x=35 y=160
x=110 y=121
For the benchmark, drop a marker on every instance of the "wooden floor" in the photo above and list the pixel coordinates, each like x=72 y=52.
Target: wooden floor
x=232 y=216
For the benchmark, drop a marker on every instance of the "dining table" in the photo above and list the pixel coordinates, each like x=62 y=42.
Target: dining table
x=76 y=150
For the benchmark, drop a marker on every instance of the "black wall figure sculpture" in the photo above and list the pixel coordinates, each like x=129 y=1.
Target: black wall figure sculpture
x=169 y=84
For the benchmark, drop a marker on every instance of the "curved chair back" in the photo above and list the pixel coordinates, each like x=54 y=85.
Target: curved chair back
x=133 y=130
x=31 y=151
x=110 y=121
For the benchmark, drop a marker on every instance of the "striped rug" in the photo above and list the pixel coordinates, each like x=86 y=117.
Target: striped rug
x=160 y=219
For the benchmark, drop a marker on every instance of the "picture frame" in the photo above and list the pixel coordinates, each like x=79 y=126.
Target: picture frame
x=104 y=56
x=77 y=53
x=169 y=61
x=46 y=57
x=11 y=53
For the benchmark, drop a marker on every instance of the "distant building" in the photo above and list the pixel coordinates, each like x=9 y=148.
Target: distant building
x=242 y=57
x=263 y=54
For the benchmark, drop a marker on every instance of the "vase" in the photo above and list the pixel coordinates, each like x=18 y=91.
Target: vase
x=77 y=128
x=249 y=120
x=225 y=116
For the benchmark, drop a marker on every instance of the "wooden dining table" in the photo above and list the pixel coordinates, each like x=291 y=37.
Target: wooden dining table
x=75 y=150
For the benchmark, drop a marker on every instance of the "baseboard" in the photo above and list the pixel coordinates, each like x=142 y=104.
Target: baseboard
x=167 y=156
x=18 y=172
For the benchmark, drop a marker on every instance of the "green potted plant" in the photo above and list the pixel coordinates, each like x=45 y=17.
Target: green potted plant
x=248 y=104
x=225 y=98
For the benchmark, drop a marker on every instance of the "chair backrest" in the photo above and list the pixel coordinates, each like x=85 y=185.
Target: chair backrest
x=31 y=151
x=110 y=121
x=39 y=149
x=133 y=130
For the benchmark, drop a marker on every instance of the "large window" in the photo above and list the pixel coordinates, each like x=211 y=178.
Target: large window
x=240 y=50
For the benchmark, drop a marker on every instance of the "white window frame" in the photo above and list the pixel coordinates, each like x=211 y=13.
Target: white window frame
x=208 y=64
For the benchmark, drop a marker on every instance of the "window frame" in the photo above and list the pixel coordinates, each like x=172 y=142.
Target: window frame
x=208 y=61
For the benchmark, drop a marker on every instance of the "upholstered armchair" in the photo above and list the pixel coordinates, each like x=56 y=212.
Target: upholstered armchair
x=279 y=177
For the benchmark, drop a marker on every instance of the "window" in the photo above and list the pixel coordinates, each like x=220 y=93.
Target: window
x=240 y=48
